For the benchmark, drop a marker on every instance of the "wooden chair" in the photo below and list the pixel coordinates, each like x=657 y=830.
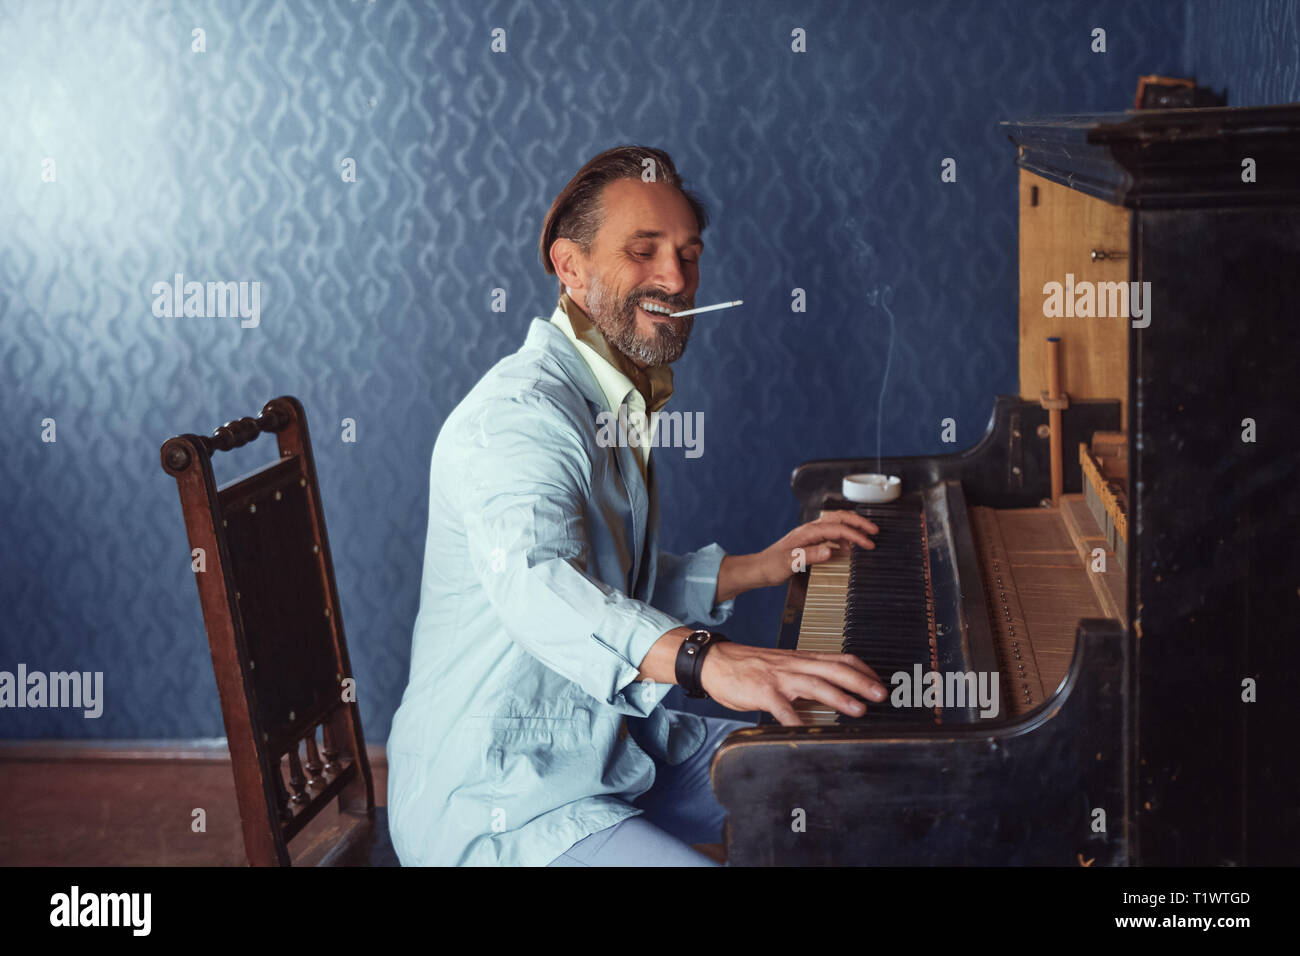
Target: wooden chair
x=266 y=582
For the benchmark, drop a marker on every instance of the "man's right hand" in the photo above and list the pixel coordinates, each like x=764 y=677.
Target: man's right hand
x=755 y=678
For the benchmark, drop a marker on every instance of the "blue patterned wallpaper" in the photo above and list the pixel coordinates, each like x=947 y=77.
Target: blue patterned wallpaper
x=1251 y=48
x=822 y=171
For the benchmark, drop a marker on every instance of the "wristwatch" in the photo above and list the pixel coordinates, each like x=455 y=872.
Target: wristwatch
x=690 y=661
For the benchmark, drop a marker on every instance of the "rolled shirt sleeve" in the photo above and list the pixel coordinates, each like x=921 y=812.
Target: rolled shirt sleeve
x=686 y=585
x=527 y=474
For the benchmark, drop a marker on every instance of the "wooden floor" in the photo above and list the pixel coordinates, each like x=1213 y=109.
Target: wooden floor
x=127 y=803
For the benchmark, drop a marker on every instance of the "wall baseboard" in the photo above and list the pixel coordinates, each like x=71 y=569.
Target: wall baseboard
x=198 y=749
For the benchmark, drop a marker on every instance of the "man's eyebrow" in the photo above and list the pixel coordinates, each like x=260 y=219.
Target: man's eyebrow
x=656 y=234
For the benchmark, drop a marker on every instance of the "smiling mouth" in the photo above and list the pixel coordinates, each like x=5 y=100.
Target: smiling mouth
x=655 y=310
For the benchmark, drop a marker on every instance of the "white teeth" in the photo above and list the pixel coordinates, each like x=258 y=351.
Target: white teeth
x=649 y=307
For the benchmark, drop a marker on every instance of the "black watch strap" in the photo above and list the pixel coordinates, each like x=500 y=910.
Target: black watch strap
x=690 y=661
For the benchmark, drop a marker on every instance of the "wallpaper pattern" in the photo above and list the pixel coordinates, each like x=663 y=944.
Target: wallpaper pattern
x=129 y=156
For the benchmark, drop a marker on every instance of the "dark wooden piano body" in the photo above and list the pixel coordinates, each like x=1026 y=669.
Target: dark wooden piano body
x=1150 y=724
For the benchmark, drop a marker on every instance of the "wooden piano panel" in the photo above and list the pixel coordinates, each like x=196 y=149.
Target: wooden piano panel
x=1109 y=584
x=1058 y=234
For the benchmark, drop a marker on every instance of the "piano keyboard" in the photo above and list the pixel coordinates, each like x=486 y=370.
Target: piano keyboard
x=877 y=605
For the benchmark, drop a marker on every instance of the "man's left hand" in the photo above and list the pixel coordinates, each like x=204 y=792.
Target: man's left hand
x=806 y=545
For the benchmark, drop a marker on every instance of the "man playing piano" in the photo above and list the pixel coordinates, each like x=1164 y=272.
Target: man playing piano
x=551 y=625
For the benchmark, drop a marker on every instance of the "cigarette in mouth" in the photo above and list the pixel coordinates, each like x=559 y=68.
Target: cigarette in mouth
x=710 y=308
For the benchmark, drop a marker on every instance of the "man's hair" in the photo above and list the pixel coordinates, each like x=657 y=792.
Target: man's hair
x=577 y=212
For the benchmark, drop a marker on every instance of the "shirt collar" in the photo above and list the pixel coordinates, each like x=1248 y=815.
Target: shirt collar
x=654 y=384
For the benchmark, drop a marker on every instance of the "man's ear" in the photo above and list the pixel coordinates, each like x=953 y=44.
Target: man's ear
x=569 y=263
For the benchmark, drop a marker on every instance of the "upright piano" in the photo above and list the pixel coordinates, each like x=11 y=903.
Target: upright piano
x=1120 y=548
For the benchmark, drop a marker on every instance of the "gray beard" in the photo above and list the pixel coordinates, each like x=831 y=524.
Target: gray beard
x=617 y=322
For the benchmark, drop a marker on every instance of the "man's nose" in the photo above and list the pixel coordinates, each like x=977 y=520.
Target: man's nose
x=669 y=277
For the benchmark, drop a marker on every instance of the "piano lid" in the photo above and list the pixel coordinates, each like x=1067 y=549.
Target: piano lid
x=1163 y=159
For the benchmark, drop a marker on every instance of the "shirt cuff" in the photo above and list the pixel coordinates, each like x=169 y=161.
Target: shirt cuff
x=628 y=692
x=701 y=578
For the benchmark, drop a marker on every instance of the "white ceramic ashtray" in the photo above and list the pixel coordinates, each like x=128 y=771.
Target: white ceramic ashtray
x=871 y=488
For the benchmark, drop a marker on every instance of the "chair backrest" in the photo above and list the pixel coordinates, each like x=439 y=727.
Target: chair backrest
x=266 y=582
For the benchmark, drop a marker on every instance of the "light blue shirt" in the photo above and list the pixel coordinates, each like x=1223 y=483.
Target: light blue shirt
x=543 y=589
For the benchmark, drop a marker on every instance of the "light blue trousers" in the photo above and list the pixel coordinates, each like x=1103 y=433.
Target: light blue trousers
x=680 y=809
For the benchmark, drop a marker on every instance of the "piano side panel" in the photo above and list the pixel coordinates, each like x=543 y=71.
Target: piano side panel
x=1215 y=573
x=1012 y=794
